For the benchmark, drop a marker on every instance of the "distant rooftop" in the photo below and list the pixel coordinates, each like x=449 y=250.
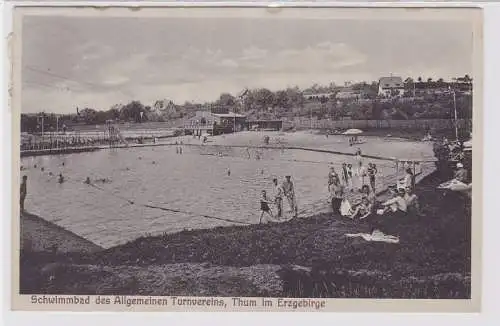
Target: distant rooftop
x=229 y=115
x=391 y=82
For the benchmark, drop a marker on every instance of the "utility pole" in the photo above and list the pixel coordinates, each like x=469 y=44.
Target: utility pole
x=42 y=123
x=311 y=116
x=456 y=119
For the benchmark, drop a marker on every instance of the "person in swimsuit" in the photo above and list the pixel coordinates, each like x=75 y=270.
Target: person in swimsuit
x=264 y=206
x=345 y=175
x=24 y=192
x=278 y=198
x=336 y=190
x=349 y=175
x=372 y=172
x=332 y=174
x=412 y=202
x=362 y=210
x=289 y=192
x=370 y=195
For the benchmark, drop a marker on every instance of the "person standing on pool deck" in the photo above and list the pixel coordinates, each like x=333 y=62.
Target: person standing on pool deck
x=278 y=198
x=289 y=193
x=264 y=206
x=361 y=174
x=336 y=190
x=372 y=172
x=24 y=192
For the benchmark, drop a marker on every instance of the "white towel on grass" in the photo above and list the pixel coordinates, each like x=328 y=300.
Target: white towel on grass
x=375 y=236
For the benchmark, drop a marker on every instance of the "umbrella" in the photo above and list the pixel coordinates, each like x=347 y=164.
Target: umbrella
x=353 y=132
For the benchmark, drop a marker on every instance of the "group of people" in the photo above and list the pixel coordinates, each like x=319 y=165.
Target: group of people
x=280 y=192
x=355 y=180
x=403 y=202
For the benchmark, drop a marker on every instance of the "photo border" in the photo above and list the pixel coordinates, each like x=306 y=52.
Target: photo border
x=21 y=302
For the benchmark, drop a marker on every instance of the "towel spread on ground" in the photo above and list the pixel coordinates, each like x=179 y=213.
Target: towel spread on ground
x=375 y=236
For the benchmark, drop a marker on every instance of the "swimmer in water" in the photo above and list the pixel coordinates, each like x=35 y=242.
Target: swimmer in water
x=87 y=181
x=35 y=166
x=50 y=174
x=62 y=163
x=228 y=172
x=154 y=162
x=42 y=169
x=61 y=178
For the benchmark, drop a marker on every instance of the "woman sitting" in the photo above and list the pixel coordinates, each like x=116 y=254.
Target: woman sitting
x=412 y=202
x=363 y=209
x=370 y=195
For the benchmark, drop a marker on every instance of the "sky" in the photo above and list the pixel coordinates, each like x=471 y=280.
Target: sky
x=70 y=62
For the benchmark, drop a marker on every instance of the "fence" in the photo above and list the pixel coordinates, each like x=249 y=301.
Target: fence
x=91 y=138
x=439 y=124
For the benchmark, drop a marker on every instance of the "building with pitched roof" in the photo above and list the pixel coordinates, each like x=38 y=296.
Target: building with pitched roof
x=391 y=86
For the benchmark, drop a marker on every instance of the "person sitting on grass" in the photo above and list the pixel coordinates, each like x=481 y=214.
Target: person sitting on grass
x=264 y=206
x=370 y=195
x=390 y=215
x=363 y=209
x=412 y=202
x=461 y=173
x=397 y=206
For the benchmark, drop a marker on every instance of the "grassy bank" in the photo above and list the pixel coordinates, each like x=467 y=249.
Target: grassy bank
x=432 y=259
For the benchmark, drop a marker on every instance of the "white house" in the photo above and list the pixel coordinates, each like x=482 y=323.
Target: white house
x=391 y=86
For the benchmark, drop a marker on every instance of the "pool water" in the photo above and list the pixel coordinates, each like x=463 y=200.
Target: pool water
x=193 y=187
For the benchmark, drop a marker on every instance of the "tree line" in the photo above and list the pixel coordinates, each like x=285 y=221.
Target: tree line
x=262 y=103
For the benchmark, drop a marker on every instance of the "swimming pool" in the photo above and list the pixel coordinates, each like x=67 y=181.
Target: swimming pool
x=182 y=187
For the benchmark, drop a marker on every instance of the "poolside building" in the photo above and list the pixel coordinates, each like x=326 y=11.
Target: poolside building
x=215 y=122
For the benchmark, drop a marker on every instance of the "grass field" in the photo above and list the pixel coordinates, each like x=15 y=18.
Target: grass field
x=431 y=261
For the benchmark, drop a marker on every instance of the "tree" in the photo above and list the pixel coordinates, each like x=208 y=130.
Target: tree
x=89 y=115
x=132 y=112
x=226 y=100
x=264 y=98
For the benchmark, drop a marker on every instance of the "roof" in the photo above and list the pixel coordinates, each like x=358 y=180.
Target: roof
x=391 y=82
x=263 y=120
x=229 y=115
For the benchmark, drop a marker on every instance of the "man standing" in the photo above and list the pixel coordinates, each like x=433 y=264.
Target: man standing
x=289 y=193
x=278 y=198
x=24 y=191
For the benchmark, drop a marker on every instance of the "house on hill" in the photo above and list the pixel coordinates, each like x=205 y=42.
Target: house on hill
x=391 y=86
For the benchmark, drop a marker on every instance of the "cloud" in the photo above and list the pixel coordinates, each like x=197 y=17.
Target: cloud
x=106 y=61
x=253 y=53
x=116 y=80
x=229 y=63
